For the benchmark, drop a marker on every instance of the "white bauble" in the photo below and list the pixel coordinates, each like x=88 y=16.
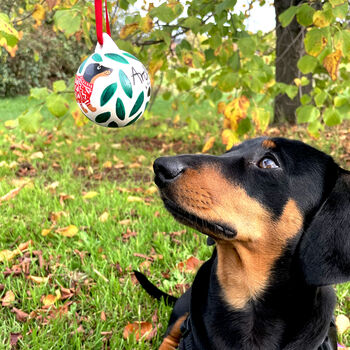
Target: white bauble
x=112 y=87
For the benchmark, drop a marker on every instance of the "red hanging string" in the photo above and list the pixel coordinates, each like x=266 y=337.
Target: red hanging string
x=99 y=20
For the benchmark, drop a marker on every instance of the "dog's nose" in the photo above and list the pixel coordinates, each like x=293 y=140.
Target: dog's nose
x=168 y=168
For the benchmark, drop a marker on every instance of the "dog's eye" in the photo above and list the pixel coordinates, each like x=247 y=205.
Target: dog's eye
x=267 y=163
x=99 y=67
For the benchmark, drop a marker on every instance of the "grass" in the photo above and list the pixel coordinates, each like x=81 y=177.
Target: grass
x=114 y=168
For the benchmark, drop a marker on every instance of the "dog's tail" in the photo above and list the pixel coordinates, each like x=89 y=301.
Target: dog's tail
x=152 y=290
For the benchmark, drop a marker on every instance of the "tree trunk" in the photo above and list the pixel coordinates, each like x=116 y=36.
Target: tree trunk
x=289 y=48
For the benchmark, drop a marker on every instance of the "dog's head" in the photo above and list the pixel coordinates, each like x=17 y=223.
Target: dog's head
x=262 y=195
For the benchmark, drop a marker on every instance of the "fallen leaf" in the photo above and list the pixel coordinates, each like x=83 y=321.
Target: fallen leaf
x=12 y=194
x=45 y=231
x=343 y=323
x=103 y=316
x=139 y=329
x=37 y=155
x=108 y=164
x=190 y=265
x=91 y=194
x=69 y=231
x=38 y=279
x=50 y=299
x=63 y=197
x=7 y=255
x=21 y=316
x=209 y=144
x=52 y=187
x=14 y=337
x=145 y=265
x=8 y=298
x=104 y=216
x=122 y=222
x=128 y=234
x=151 y=190
x=134 y=199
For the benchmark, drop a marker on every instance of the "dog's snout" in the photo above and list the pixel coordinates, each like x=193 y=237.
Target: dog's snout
x=168 y=168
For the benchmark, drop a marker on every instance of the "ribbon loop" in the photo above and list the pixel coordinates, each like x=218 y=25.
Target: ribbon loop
x=99 y=21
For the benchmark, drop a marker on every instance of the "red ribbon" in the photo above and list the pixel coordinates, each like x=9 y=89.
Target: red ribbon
x=99 y=20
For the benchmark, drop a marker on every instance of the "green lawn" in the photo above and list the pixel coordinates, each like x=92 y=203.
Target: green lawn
x=100 y=181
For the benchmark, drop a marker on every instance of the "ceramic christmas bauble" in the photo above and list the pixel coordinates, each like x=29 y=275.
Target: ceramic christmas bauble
x=112 y=87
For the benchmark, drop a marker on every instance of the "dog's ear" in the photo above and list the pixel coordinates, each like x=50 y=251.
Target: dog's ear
x=324 y=249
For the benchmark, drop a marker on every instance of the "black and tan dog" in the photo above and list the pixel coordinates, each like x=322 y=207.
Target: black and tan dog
x=279 y=213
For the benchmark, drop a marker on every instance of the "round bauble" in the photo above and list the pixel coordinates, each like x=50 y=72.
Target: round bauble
x=112 y=87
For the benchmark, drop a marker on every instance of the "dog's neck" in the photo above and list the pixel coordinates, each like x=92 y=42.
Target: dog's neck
x=261 y=322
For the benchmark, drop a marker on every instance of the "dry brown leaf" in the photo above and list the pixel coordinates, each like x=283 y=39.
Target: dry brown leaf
x=8 y=298
x=139 y=329
x=68 y=231
x=21 y=316
x=103 y=316
x=14 y=337
x=12 y=194
x=192 y=264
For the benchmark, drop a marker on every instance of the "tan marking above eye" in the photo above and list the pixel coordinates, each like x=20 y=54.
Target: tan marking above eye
x=268 y=144
x=244 y=262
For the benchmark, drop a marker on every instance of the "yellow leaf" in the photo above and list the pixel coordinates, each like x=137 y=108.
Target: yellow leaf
x=38 y=14
x=104 y=216
x=69 y=231
x=7 y=255
x=38 y=279
x=37 y=155
x=154 y=67
x=229 y=138
x=320 y=20
x=79 y=118
x=176 y=119
x=297 y=82
x=45 y=231
x=139 y=330
x=108 y=164
x=343 y=323
x=188 y=59
x=209 y=144
x=236 y=110
x=127 y=30
x=151 y=190
x=50 y=299
x=124 y=222
x=221 y=107
x=134 y=199
x=331 y=63
x=8 y=299
x=90 y=194
x=146 y=24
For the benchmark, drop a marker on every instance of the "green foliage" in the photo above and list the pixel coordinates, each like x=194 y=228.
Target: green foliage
x=206 y=55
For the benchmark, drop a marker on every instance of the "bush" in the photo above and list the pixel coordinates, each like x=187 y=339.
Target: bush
x=43 y=56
